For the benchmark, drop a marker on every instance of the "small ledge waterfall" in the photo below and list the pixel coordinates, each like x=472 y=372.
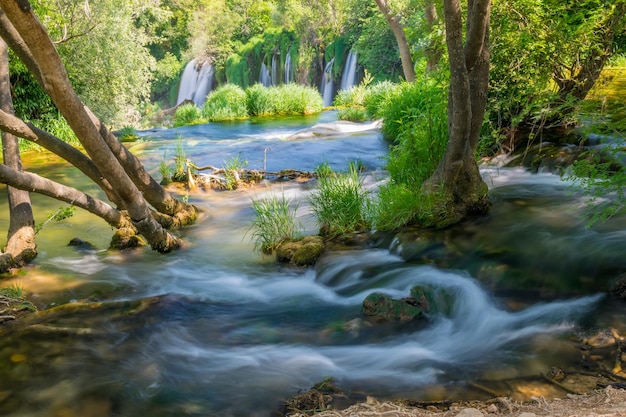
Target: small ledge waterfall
x=348 y=78
x=328 y=84
x=195 y=83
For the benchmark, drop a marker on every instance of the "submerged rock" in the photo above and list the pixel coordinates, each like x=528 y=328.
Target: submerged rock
x=382 y=308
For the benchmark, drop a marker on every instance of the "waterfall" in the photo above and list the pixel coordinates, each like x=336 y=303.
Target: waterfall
x=265 y=77
x=195 y=83
x=348 y=78
x=288 y=69
x=327 y=83
x=274 y=70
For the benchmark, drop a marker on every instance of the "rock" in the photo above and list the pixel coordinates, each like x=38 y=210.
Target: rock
x=527 y=414
x=80 y=244
x=470 y=412
x=382 y=308
x=302 y=252
x=619 y=286
x=433 y=300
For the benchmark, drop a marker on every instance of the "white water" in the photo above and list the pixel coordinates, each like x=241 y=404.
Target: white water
x=234 y=332
x=288 y=69
x=195 y=83
x=328 y=84
x=348 y=78
x=265 y=77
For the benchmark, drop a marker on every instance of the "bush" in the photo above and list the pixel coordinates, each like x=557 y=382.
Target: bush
x=352 y=113
x=187 y=114
x=297 y=99
x=261 y=101
x=275 y=223
x=415 y=117
x=340 y=204
x=227 y=102
x=376 y=94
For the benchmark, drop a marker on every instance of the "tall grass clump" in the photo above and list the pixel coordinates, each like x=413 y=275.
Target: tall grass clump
x=352 y=114
x=187 y=114
x=227 y=102
x=294 y=99
x=260 y=100
x=275 y=222
x=375 y=96
x=341 y=203
x=416 y=119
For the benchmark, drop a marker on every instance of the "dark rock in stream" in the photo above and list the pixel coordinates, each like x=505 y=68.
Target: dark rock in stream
x=81 y=245
x=382 y=308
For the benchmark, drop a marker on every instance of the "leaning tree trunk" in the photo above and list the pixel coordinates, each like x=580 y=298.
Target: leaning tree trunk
x=405 y=51
x=21 y=247
x=457 y=175
x=57 y=85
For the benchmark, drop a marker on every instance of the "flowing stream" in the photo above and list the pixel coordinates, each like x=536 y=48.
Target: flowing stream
x=217 y=329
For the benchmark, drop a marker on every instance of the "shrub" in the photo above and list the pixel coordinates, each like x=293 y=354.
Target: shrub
x=297 y=99
x=352 y=113
x=187 y=114
x=341 y=203
x=260 y=100
x=275 y=222
x=227 y=102
x=376 y=94
x=416 y=119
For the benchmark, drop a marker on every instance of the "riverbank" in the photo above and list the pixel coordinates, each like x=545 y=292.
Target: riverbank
x=608 y=402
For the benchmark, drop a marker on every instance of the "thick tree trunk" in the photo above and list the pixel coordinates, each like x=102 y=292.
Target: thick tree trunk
x=403 y=45
x=21 y=247
x=457 y=175
x=57 y=85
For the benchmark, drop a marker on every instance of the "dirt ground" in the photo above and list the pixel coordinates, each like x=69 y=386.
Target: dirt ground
x=608 y=402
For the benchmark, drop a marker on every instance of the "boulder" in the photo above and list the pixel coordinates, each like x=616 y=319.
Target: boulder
x=303 y=252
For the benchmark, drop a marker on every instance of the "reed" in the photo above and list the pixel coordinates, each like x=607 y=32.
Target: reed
x=275 y=222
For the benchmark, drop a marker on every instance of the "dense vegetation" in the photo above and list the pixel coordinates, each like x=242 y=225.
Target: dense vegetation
x=125 y=59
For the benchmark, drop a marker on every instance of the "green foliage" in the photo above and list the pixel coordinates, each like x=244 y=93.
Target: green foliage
x=375 y=96
x=285 y=99
x=227 y=102
x=416 y=120
x=56 y=125
x=167 y=73
x=601 y=176
x=352 y=113
x=180 y=161
x=232 y=167
x=61 y=214
x=341 y=203
x=14 y=297
x=188 y=114
x=295 y=99
x=128 y=134
x=275 y=222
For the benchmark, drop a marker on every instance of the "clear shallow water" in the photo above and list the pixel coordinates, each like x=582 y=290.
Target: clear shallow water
x=216 y=329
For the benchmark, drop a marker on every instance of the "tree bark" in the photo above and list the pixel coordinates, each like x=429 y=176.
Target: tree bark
x=21 y=247
x=35 y=183
x=56 y=83
x=457 y=175
x=405 y=51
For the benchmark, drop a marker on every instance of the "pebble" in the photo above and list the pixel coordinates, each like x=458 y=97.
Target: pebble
x=470 y=412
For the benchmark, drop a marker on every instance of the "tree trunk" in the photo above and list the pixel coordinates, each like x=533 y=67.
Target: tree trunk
x=457 y=175
x=405 y=51
x=57 y=85
x=21 y=247
x=44 y=186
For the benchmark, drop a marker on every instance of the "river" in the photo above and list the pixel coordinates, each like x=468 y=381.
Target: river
x=218 y=329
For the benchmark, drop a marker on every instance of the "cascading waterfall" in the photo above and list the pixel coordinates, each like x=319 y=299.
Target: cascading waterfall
x=328 y=83
x=348 y=78
x=274 y=70
x=264 y=76
x=288 y=69
x=195 y=83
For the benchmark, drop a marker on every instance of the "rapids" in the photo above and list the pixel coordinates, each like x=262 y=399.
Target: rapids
x=227 y=332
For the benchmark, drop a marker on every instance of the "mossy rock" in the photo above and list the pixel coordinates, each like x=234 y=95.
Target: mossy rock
x=433 y=300
x=125 y=238
x=382 y=308
x=303 y=252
